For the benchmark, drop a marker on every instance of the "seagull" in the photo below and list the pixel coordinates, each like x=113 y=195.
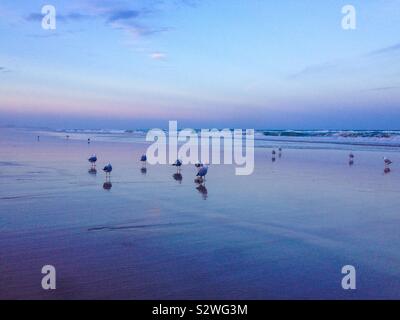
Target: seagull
x=273 y=155
x=107 y=169
x=143 y=159
x=178 y=164
x=202 y=173
x=387 y=161
x=351 y=159
x=93 y=160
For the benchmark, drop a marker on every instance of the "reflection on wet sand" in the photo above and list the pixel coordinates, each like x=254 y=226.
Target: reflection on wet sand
x=107 y=185
x=178 y=177
x=203 y=190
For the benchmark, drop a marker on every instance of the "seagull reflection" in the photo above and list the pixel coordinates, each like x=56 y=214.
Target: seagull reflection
x=203 y=190
x=178 y=177
x=92 y=171
x=107 y=185
x=386 y=170
x=143 y=170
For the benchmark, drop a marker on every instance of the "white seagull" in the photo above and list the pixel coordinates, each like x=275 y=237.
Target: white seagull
x=387 y=161
x=202 y=173
x=107 y=169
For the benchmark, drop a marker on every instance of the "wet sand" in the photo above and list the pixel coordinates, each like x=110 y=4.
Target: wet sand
x=283 y=232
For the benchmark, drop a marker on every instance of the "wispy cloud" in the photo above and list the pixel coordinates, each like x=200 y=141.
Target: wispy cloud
x=390 y=49
x=123 y=18
x=158 y=56
x=73 y=16
x=321 y=68
x=4 y=70
x=191 y=3
x=136 y=29
x=41 y=36
x=313 y=70
x=123 y=15
x=383 y=88
x=134 y=18
x=131 y=21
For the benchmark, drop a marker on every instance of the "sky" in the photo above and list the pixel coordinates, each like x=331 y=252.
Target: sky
x=285 y=64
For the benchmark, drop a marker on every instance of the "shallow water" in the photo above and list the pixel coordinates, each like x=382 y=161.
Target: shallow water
x=283 y=232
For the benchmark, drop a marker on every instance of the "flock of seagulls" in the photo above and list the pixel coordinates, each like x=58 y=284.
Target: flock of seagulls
x=274 y=154
x=107 y=169
x=387 y=162
x=200 y=176
x=202 y=169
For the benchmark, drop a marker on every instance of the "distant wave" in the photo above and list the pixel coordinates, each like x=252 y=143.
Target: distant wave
x=376 y=138
x=101 y=131
x=332 y=133
x=267 y=133
x=292 y=138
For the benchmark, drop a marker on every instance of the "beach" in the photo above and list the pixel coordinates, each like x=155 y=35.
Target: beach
x=284 y=232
